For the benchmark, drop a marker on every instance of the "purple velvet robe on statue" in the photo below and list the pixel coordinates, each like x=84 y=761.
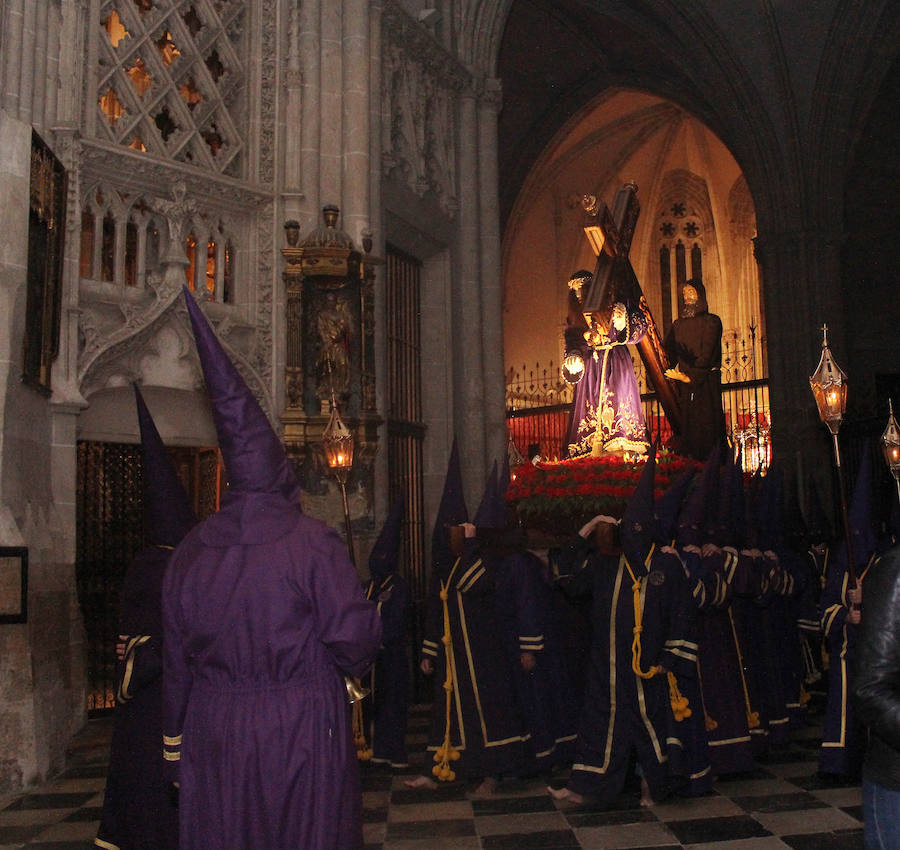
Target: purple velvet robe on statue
x=607 y=405
x=263 y=613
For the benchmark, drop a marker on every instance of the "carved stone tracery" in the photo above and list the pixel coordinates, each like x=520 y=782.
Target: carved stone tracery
x=420 y=85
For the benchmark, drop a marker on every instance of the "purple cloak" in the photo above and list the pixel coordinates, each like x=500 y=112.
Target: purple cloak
x=263 y=612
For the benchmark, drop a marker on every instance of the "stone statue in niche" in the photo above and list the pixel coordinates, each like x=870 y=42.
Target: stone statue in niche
x=333 y=324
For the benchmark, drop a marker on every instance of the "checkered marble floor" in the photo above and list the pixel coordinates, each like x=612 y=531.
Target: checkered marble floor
x=782 y=803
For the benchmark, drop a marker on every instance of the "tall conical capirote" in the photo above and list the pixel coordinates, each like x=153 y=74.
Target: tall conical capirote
x=768 y=507
x=860 y=515
x=384 y=554
x=691 y=526
x=668 y=506
x=795 y=534
x=738 y=502
x=491 y=511
x=817 y=522
x=255 y=460
x=168 y=513
x=637 y=530
x=451 y=511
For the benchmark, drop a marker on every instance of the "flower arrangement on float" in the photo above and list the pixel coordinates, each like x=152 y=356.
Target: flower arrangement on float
x=560 y=496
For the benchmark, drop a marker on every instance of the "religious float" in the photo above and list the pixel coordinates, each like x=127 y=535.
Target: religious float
x=607 y=439
x=558 y=497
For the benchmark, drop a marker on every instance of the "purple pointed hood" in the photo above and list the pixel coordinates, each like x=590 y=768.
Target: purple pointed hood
x=668 y=507
x=637 y=530
x=383 y=558
x=255 y=460
x=770 y=509
x=451 y=511
x=816 y=519
x=691 y=527
x=491 y=511
x=738 y=502
x=168 y=513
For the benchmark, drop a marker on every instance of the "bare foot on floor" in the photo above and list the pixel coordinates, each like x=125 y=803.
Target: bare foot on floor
x=565 y=795
x=646 y=799
x=421 y=782
x=487 y=787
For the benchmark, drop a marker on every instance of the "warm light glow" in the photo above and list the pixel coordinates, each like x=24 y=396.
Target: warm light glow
x=890 y=443
x=596 y=238
x=140 y=78
x=829 y=387
x=573 y=369
x=167 y=49
x=111 y=106
x=337 y=443
x=114 y=28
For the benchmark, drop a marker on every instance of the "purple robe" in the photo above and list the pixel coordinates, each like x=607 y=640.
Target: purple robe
x=527 y=625
x=263 y=614
x=622 y=712
x=721 y=669
x=386 y=710
x=607 y=404
x=485 y=722
x=843 y=736
x=138 y=808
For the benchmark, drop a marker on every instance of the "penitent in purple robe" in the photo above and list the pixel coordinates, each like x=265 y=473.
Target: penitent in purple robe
x=386 y=712
x=525 y=618
x=263 y=614
x=138 y=809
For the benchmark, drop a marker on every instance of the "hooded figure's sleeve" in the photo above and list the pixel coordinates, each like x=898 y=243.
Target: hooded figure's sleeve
x=177 y=677
x=346 y=622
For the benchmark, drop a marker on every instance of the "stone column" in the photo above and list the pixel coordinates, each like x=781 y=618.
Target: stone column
x=355 y=119
x=292 y=122
x=27 y=68
x=311 y=70
x=376 y=226
x=331 y=92
x=466 y=313
x=13 y=23
x=491 y=279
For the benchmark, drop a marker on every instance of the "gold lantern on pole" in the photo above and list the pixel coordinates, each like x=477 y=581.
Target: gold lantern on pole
x=829 y=386
x=337 y=443
x=890 y=445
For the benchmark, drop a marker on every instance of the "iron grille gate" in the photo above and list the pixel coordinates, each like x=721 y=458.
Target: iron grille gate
x=405 y=435
x=110 y=531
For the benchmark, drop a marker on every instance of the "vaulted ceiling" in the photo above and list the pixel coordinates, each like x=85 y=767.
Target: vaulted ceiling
x=557 y=56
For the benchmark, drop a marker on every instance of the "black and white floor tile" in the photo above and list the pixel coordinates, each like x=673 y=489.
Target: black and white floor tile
x=783 y=803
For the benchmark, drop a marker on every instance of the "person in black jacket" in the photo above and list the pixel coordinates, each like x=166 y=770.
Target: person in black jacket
x=877 y=694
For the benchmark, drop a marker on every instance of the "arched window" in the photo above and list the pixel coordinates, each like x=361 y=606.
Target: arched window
x=108 y=248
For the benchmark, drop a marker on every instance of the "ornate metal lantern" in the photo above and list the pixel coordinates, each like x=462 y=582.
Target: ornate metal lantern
x=829 y=386
x=890 y=445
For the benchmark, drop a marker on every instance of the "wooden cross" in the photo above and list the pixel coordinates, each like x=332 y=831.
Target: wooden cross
x=610 y=235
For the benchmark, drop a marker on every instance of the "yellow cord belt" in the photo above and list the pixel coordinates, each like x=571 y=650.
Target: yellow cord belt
x=446 y=752
x=677 y=700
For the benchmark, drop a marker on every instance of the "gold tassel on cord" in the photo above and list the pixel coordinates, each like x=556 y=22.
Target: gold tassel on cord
x=446 y=753
x=638 y=621
x=679 y=702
